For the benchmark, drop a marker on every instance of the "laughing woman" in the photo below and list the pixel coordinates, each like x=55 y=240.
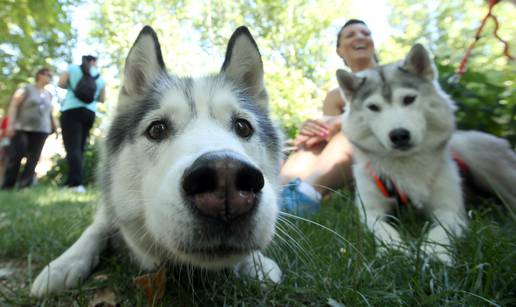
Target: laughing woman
x=322 y=162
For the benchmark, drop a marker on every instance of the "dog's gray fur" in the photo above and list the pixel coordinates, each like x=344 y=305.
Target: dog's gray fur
x=402 y=126
x=143 y=175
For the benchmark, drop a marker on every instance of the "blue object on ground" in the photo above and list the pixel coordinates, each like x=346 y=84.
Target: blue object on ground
x=296 y=202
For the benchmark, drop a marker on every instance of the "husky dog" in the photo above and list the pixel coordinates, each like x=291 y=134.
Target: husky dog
x=189 y=172
x=400 y=123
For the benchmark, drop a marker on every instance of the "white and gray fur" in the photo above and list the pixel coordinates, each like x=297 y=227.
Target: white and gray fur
x=165 y=126
x=491 y=163
x=402 y=125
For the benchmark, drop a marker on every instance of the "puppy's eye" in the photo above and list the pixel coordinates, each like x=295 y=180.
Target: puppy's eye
x=157 y=130
x=243 y=128
x=408 y=100
x=373 y=108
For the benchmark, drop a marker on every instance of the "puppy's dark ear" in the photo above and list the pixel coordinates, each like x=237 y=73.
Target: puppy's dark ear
x=418 y=62
x=243 y=63
x=348 y=83
x=144 y=62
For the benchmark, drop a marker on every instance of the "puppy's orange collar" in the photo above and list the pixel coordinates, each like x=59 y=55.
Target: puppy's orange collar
x=387 y=186
x=390 y=189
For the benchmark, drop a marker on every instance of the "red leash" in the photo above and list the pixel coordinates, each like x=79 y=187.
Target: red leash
x=462 y=67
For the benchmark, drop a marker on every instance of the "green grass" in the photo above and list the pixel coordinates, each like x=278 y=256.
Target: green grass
x=331 y=257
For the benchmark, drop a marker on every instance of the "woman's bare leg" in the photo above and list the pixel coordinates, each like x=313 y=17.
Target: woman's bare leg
x=333 y=167
x=326 y=167
x=300 y=163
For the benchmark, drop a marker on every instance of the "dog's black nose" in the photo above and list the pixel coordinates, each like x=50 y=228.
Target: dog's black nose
x=222 y=185
x=400 y=137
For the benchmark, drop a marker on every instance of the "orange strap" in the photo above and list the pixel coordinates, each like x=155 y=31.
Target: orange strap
x=463 y=167
x=390 y=189
x=383 y=187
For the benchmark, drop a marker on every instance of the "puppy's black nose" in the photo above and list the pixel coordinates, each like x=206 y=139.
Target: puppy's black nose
x=222 y=185
x=400 y=137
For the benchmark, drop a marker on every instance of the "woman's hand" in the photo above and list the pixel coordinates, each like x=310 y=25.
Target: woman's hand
x=334 y=124
x=314 y=127
x=311 y=133
x=316 y=131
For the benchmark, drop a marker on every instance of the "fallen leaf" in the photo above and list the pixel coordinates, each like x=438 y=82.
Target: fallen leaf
x=154 y=285
x=104 y=297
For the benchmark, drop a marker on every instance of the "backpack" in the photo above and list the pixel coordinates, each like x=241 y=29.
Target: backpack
x=86 y=87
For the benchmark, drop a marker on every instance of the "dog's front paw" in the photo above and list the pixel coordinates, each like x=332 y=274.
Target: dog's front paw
x=59 y=275
x=439 y=252
x=383 y=249
x=260 y=267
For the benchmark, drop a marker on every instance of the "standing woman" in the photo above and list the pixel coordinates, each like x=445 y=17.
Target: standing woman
x=77 y=117
x=30 y=123
x=322 y=162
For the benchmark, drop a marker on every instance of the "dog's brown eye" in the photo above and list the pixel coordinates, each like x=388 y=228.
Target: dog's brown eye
x=243 y=128
x=373 y=108
x=408 y=100
x=157 y=130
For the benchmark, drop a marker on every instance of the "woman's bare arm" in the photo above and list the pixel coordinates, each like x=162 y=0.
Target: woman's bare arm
x=12 y=111
x=333 y=103
x=63 y=80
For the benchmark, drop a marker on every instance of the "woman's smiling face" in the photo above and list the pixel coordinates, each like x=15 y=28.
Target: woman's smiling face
x=355 y=43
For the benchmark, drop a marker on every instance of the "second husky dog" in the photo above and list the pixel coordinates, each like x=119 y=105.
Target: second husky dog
x=189 y=172
x=400 y=123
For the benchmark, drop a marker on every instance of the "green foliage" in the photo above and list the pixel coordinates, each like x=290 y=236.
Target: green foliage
x=293 y=97
x=293 y=38
x=484 y=103
x=33 y=34
x=296 y=38
x=295 y=42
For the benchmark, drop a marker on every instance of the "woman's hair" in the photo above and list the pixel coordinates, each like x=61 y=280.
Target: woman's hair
x=42 y=71
x=86 y=62
x=348 y=23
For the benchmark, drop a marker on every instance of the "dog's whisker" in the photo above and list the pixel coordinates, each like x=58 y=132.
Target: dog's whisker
x=289 y=238
x=333 y=232
x=285 y=221
x=291 y=244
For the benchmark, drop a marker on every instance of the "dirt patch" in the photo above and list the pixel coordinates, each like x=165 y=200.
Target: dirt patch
x=14 y=278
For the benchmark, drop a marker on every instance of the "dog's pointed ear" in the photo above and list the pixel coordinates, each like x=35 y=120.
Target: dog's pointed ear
x=144 y=62
x=348 y=83
x=418 y=62
x=243 y=63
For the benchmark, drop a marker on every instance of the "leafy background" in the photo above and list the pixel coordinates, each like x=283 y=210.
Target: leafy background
x=32 y=34
x=296 y=38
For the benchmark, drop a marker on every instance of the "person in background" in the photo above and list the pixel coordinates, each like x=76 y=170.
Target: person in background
x=4 y=145
x=322 y=161
x=78 y=116
x=30 y=123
